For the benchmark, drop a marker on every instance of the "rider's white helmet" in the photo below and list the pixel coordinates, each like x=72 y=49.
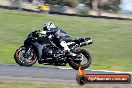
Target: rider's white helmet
x=48 y=26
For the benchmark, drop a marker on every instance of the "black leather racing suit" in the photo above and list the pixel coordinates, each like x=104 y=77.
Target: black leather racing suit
x=59 y=36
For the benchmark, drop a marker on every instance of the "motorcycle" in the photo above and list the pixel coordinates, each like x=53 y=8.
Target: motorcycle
x=41 y=48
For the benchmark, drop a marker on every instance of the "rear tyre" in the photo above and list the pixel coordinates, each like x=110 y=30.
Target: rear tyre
x=87 y=57
x=24 y=58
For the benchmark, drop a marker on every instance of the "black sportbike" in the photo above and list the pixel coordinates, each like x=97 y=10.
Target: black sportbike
x=42 y=48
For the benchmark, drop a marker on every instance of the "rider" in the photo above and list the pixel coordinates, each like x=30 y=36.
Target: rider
x=60 y=37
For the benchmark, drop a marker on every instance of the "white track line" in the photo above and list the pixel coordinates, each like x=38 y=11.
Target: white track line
x=97 y=70
x=112 y=71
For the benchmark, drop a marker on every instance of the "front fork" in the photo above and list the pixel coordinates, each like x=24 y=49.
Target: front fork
x=27 y=51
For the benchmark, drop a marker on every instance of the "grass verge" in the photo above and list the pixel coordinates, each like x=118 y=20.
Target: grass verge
x=10 y=84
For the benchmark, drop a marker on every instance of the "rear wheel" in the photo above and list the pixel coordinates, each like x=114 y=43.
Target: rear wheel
x=83 y=63
x=25 y=56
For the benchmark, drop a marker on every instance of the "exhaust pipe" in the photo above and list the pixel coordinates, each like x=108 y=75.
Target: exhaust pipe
x=87 y=42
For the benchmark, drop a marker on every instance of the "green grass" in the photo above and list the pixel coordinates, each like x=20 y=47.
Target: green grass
x=111 y=50
x=4 y=84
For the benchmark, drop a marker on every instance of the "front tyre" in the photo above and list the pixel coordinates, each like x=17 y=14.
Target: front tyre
x=25 y=56
x=85 y=60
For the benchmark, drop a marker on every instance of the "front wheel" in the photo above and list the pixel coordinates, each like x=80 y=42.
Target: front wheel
x=84 y=62
x=25 y=56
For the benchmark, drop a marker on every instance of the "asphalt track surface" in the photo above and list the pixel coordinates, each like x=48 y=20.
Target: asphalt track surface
x=44 y=74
